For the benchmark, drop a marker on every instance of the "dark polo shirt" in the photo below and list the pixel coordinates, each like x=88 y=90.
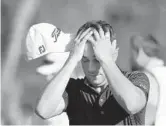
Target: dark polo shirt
x=87 y=107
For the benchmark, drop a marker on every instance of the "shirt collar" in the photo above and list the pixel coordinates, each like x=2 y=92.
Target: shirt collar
x=94 y=89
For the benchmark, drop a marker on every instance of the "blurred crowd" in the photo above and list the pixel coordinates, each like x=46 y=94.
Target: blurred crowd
x=140 y=31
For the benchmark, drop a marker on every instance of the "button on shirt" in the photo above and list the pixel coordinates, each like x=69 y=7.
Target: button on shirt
x=85 y=106
x=101 y=101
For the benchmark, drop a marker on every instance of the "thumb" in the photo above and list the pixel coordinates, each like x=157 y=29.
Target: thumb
x=114 y=44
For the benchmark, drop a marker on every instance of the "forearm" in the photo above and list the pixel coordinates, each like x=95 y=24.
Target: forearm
x=126 y=94
x=52 y=95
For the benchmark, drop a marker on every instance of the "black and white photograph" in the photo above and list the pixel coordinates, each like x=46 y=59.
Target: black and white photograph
x=83 y=62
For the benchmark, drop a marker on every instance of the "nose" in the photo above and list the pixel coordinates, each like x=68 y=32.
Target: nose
x=92 y=69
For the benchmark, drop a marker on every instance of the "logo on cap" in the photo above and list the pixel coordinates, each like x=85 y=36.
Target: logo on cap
x=55 y=34
x=41 y=49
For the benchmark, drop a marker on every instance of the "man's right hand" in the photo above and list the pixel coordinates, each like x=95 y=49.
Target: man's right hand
x=79 y=43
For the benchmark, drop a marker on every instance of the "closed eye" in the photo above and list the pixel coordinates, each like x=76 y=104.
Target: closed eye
x=96 y=60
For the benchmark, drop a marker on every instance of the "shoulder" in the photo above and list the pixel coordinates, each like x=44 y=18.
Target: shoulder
x=75 y=81
x=74 y=84
x=136 y=76
x=139 y=79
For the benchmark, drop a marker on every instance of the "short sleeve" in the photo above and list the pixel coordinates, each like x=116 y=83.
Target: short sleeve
x=70 y=91
x=72 y=86
x=140 y=80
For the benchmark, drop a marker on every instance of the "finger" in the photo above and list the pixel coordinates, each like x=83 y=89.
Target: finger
x=96 y=34
x=101 y=32
x=83 y=34
x=114 y=43
x=91 y=40
x=87 y=36
x=117 y=50
x=115 y=56
x=79 y=34
x=107 y=33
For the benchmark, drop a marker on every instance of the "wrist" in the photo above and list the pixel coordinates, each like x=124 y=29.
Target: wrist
x=107 y=62
x=74 y=58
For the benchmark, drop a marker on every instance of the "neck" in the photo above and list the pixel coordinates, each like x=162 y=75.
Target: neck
x=99 y=89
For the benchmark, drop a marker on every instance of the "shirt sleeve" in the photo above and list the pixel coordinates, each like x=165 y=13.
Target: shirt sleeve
x=140 y=80
x=69 y=92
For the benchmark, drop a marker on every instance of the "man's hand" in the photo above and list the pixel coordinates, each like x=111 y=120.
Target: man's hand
x=79 y=43
x=103 y=48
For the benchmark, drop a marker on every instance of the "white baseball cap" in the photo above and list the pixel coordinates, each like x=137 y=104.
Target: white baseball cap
x=44 y=38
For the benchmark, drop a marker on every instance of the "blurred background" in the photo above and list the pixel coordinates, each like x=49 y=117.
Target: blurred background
x=21 y=85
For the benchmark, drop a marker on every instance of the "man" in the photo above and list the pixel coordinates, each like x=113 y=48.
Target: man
x=146 y=56
x=106 y=95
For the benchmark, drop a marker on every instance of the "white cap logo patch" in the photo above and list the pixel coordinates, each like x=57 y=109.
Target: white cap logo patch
x=42 y=49
x=55 y=34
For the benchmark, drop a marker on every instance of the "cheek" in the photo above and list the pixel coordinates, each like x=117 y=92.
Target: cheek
x=102 y=72
x=98 y=66
x=85 y=66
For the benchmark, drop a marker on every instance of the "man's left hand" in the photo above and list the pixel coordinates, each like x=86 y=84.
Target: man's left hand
x=104 y=49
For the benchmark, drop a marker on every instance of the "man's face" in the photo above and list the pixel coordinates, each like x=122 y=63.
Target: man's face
x=92 y=68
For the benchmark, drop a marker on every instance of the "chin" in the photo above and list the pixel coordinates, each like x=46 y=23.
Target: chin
x=98 y=82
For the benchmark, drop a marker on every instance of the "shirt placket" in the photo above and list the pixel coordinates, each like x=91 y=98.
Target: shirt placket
x=101 y=102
